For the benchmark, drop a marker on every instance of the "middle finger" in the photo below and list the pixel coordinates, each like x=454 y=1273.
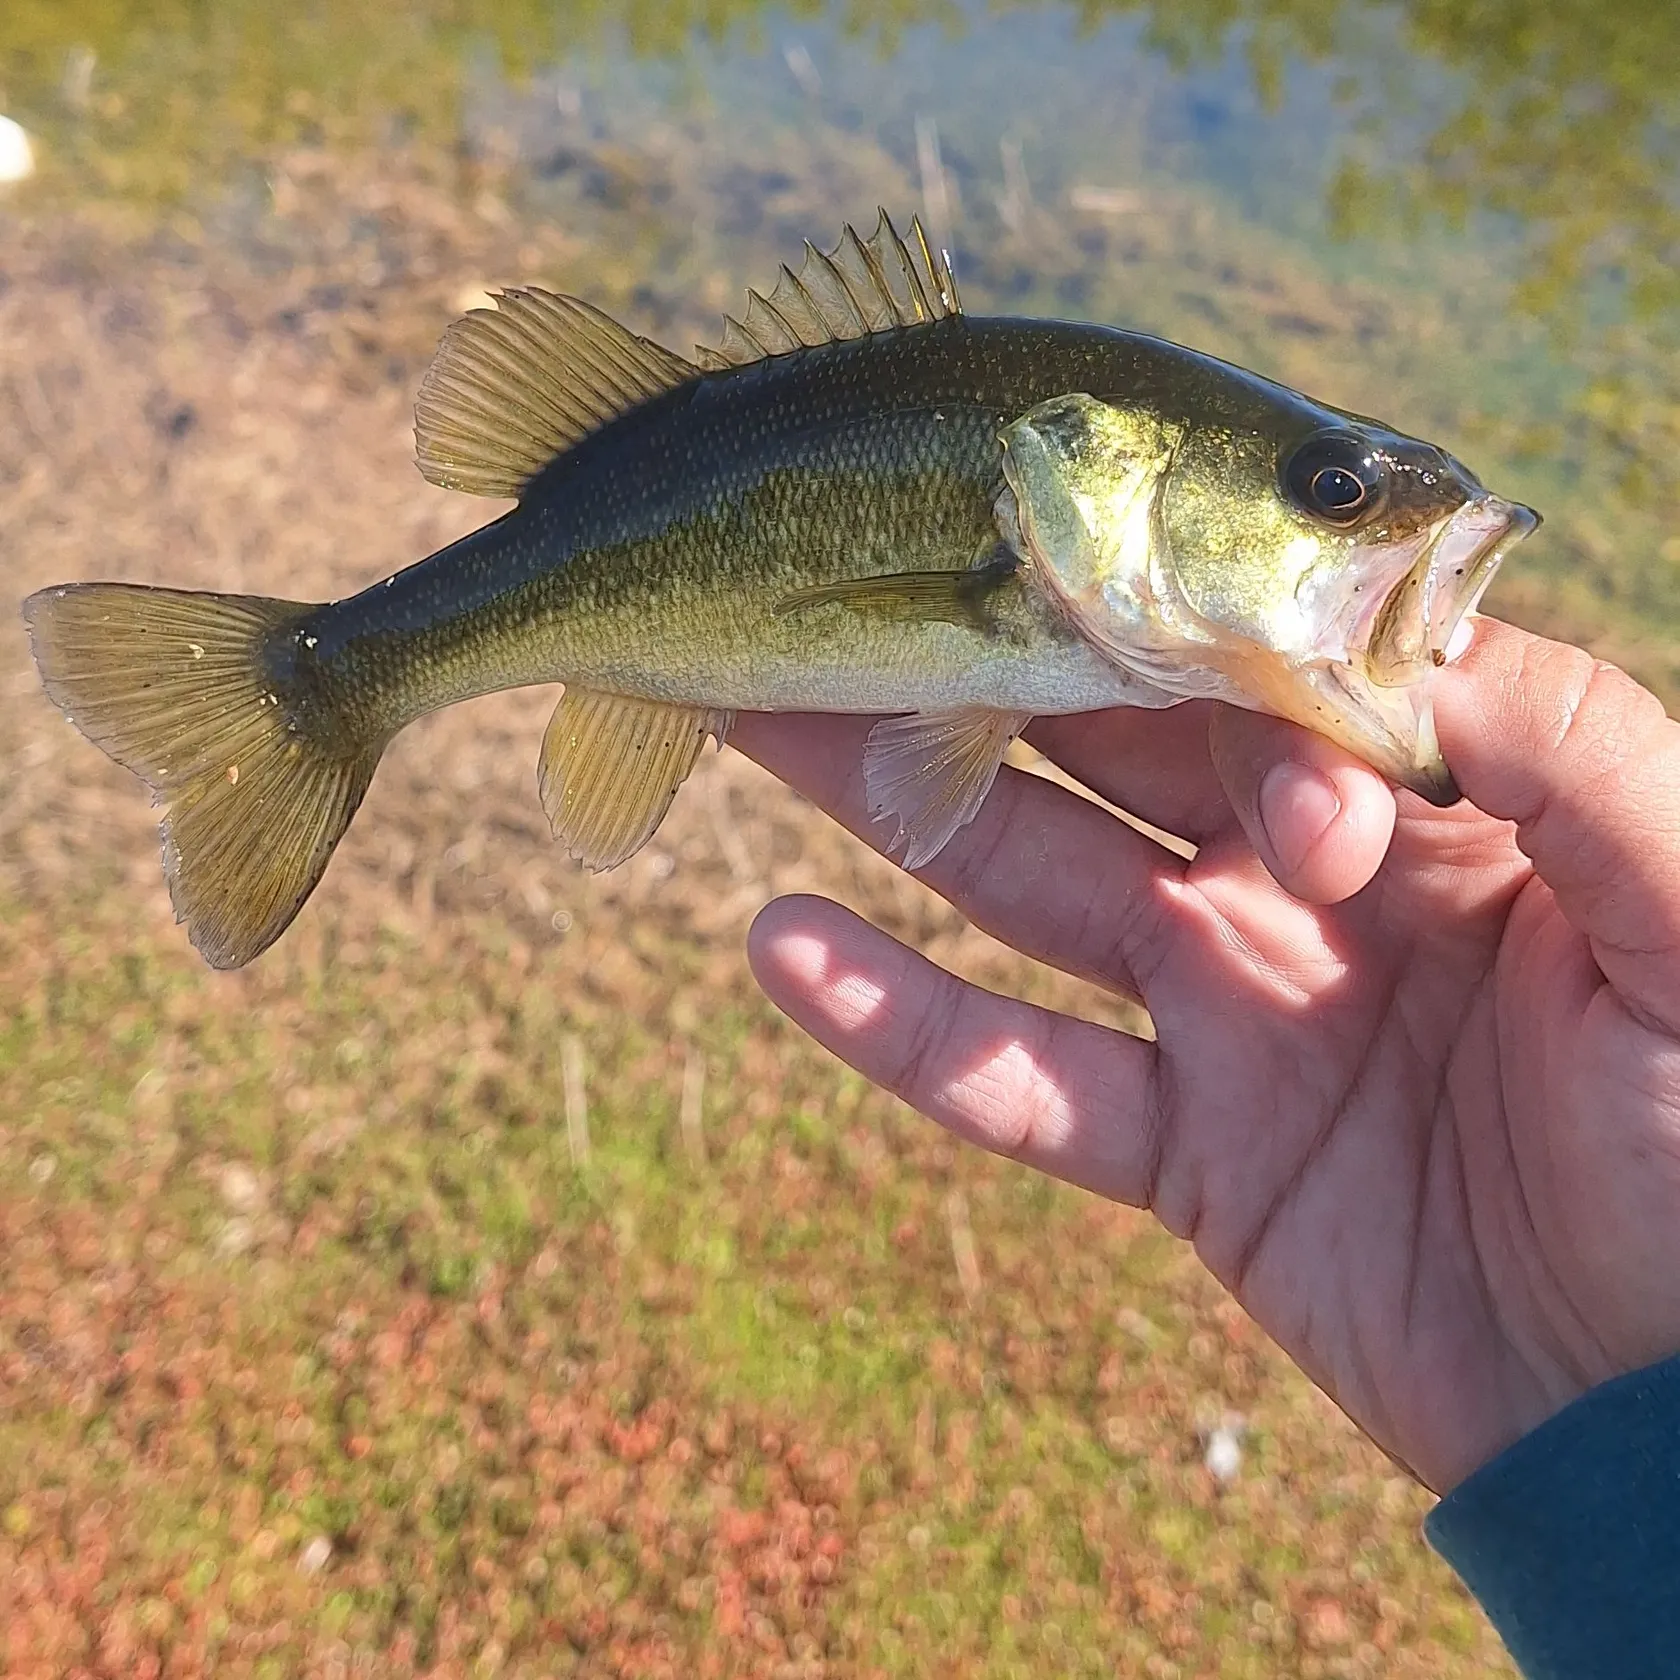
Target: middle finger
x=1040 y=867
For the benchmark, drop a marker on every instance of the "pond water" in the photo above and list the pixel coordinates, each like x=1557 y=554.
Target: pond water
x=1466 y=220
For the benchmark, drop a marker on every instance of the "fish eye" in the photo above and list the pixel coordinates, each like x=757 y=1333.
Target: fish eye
x=1337 y=478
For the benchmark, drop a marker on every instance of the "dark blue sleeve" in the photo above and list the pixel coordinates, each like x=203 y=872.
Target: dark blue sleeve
x=1571 y=1538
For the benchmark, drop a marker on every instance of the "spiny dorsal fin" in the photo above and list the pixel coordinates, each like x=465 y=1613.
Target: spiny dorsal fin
x=860 y=287
x=511 y=387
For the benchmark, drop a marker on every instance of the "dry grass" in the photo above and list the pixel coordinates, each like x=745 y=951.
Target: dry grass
x=325 y=1348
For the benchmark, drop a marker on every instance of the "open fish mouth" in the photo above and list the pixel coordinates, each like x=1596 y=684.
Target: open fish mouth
x=1379 y=702
x=1414 y=627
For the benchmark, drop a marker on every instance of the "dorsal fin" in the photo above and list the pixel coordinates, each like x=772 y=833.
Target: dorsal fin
x=862 y=286
x=509 y=388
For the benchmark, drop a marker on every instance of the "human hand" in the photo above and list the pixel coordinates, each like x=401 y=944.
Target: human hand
x=1417 y=1107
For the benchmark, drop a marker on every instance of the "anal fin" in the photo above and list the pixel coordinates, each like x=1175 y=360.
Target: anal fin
x=610 y=767
x=931 y=771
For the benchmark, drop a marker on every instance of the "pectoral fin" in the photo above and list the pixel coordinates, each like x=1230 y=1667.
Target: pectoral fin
x=946 y=597
x=611 y=766
x=931 y=771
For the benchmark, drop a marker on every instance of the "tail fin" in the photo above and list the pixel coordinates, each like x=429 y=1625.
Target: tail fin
x=175 y=685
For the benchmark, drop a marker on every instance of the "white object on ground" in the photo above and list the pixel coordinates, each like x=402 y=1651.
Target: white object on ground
x=17 y=156
x=1223 y=1456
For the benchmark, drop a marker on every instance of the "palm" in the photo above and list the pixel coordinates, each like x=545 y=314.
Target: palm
x=1373 y=1156
x=1417 y=1133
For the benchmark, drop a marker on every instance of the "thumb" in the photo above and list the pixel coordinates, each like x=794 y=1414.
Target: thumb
x=1319 y=819
x=1587 y=765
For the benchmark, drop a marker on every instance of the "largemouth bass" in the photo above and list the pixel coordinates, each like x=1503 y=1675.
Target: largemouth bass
x=863 y=501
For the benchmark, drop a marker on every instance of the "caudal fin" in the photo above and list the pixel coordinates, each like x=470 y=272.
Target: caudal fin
x=175 y=685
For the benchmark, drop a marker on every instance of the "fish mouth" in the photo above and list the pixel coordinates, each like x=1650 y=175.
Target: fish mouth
x=1414 y=627
x=1381 y=698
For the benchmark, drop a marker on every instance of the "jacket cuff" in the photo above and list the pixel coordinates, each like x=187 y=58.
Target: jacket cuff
x=1571 y=1538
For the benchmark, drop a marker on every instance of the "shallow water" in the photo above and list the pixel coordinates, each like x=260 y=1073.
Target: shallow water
x=1469 y=229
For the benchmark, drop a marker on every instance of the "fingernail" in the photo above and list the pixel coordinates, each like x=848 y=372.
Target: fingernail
x=1297 y=807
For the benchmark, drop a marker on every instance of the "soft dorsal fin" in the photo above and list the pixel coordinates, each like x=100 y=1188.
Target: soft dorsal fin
x=862 y=286
x=511 y=387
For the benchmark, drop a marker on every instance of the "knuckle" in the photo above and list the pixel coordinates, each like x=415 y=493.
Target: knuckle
x=910 y=1065
x=1565 y=720
x=1125 y=937
x=972 y=866
x=1030 y=1113
x=1608 y=719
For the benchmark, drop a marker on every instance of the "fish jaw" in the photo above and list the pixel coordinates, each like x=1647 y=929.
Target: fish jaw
x=1349 y=652
x=1370 y=685
x=1365 y=681
x=1412 y=631
x=1390 y=728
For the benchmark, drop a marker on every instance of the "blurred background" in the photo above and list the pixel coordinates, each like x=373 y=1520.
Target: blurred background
x=486 y=1282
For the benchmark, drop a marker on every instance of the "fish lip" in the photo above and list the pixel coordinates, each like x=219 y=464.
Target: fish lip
x=1412 y=631
x=1463 y=559
x=1385 y=694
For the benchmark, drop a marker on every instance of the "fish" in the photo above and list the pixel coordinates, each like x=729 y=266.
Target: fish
x=862 y=499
